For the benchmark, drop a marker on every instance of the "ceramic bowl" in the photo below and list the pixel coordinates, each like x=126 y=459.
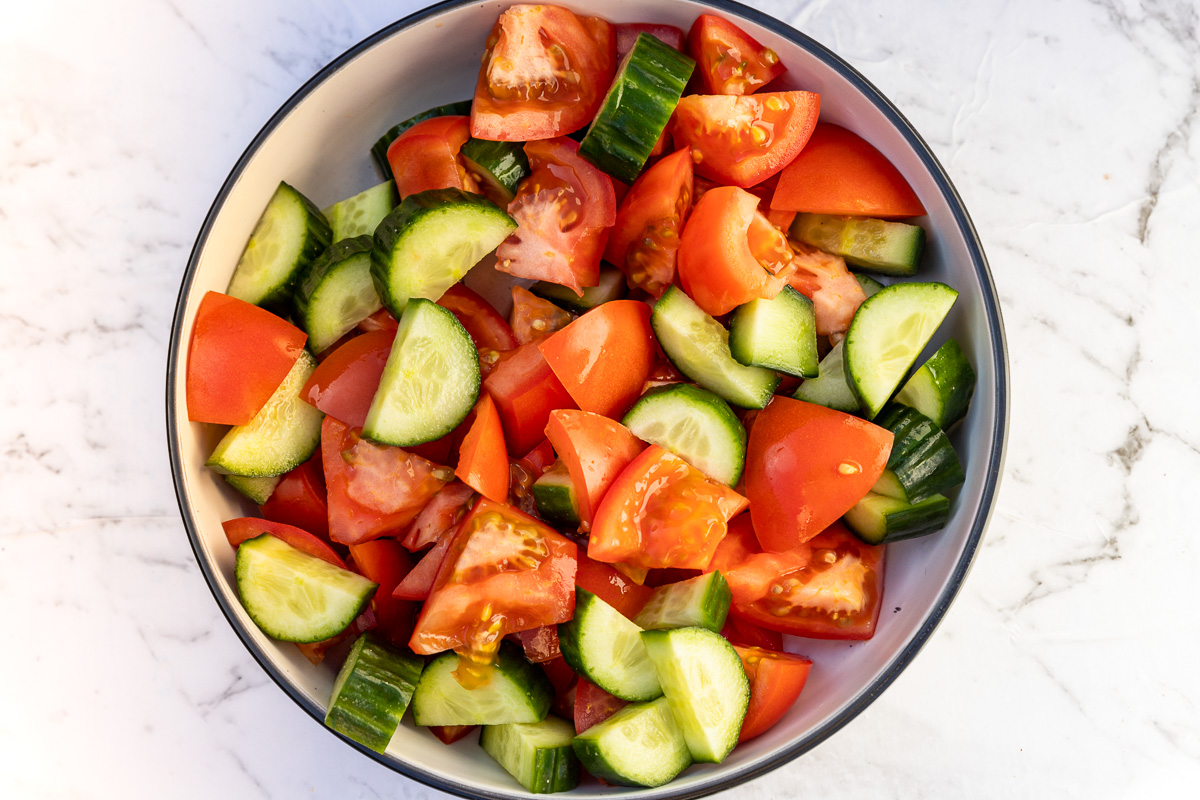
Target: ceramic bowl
x=319 y=142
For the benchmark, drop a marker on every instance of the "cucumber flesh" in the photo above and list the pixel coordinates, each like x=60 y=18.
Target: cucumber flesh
x=695 y=425
x=941 y=388
x=640 y=745
x=516 y=691
x=372 y=691
x=361 y=214
x=611 y=286
x=779 y=334
x=336 y=292
x=879 y=519
x=700 y=602
x=259 y=490
x=604 y=647
x=380 y=148
x=497 y=166
x=538 y=754
x=554 y=495
x=830 y=388
x=922 y=462
x=889 y=248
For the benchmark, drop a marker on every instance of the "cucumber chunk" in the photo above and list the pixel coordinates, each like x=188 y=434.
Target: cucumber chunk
x=380 y=148
x=516 y=691
x=879 y=519
x=869 y=285
x=640 y=745
x=941 y=388
x=259 y=490
x=611 y=286
x=889 y=248
x=700 y=602
x=830 y=388
x=922 y=462
x=430 y=241
x=779 y=334
x=430 y=382
x=695 y=425
x=887 y=334
x=706 y=686
x=360 y=215
x=296 y=597
x=336 y=292
x=372 y=691
x=282 y=435
x=539 y=754
x=698 y=346
x=605 y=648
x=554 y=495
x=497 y=166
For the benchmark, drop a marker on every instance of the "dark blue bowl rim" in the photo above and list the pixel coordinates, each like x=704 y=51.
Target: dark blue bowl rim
x=995 y=457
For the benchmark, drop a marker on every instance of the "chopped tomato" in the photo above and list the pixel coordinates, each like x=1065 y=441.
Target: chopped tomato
x=417 y=584
x=604 y=357
x=563 y=679
x=824 y=279
x=526 y=391
x=488 y=329
x=449 y=734
x=374 y=489
x=439 y=515
x=237 y=357
x=299 y=499
x=662 y=512
x=445 y=449
x=563 y=212
x=839 y=172
x=645 y=240
x=244 y=528
x=533 y=317
x=611 y=586
x=595 y=450
x=776 y=680
x=741 y=141
x=593 y=705
x=545 y=73
x=386 y=562
x=539 y=459
x=381 y=320
x=729 y=60
x=344 y=384
x=425 y=156
x=482 y=459
x=523 y=472
x=665 y=577
x=627 y=34
x=541 y=644
x=806 y=466
x=738 y=631
x=504 y=573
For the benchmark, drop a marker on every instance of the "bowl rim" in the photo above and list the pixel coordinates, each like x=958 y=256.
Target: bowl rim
x=995 y=458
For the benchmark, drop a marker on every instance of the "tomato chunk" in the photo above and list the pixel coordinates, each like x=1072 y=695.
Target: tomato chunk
x=299 y=499
x=541 y=644
x=526 y=390
x=439 y=515
x=417 y=584
x=729 y=60
x=535 y=318
x=244 y=528
x=824 y=279
x=344 y=384
x=387 y=563
x=628 y=32
x=425 y=156
x=487 y=328
x=611 y=586
x=449 y=734
x=596 y=450
x=482 y=459
x=776 y=680
x=593 y=705
x=739 y=631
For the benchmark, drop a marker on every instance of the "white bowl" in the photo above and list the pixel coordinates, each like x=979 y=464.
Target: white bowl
x=319 y=141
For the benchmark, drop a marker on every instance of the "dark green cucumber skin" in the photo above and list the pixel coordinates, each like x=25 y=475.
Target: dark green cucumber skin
x=960 y=393
x=547 y=499
x=317 y=237
x=376 y=693
x=922 y=457
x=918 y=519
x=380 y=148
x=312 y=276
x=590 y=753
x=555 y=769
x=637 y=109
x=504 y=164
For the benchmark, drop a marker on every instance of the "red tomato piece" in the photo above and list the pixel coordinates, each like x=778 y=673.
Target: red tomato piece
x=776 y=680
x=541 y=644
x=563 y=212
x=627 y=34
x=595 y=450
x=299 y=499
x=449 y=734
x=524 y=472
x=539 y=459
x=315 y=651
x=593 y=705
x=645 y=240
x=545 y=73
x=374 y=489
x=806 y=466
x=237 y=357
x=563 y=679
x=425 y=156
x=526 y=390
x=417 y=584
x=488 y=329
x=824 y=279
x=439 y=515
x=662 y=512
x=243 y=528
x=344 y=384
x=386 y=562
x=381 y=320
x=839 y=172
x=740 y=632
x=535 y=318
x=741 y=141
x=729 y=60
x=482 y=459
x=605 y=356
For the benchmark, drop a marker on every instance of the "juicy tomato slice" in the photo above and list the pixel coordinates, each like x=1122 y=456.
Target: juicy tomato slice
x=596 y=450
x=439 y=515
x=387 y=563
x=541 y=644
x=741 y=141
x=237 y=357
x=824 y=279
x=425 y=156
x=593 y=705
x=604 y=357
x=839 y=172
x=526 y=390
x=344 y=384
x=488 y=329
x=417 y=584
x=535 y=318
x=806 y=466
x=374 y=489
x=611 y=586
x=545 y=73
x=645 y=239
x=504 y=573
x=299 y=499
x=740 y=632
x=662 y=512
x=482 y=457
x=243 y=528
x=449 y=734
x=776 y=680
x=563 y=212
x=627 y=34
x=729 y=60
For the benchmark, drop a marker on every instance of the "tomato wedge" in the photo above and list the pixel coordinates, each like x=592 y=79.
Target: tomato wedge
x=526 y=391
x=839 y=172
x=482 y=459
x=628 y=32
x=439 y=515
x=545 y=73
x=244 y=528
x=534 y=318
x=596 y=450
x=611 y=586
x=541 y=644
x=776 y=680
x=417 y=584
x=740 y=632
x=593 y=705
x=824 y=279
x=299 y=499
x=344 y=384
x=741 y=141
x=237 y=357
x=729 y=60
x=386 y=562
x=449 y=734
x=425 y=156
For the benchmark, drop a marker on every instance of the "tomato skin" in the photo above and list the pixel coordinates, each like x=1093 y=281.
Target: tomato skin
x=806 y=466
x=541 y=644
x=721 y=130
x=381 y=320
x=482 y=458
x=839 y=172
x=525 y=390
x=563 y=679
x=825 y=279
x=627 y=34
x=418 y=583
x=611 y=586
x=596 y=450
x=243 y=528
x=237 y=357
x=486 y=327
x=440 y=514
x=425 y=156
x=593 y=705
x=776 y=680
x=535 y=318
x=344 y=384
x=387 y=563
x=740 y=632
x=299 y=499
x=510 y=107
x=729 y=60
x=604 y=357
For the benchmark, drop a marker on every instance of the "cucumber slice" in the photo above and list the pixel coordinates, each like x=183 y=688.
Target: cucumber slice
x=878 y=519
x=611 y=286
x=290 y=233
x=640 y=745
x=380 y=148
x=539 y=754
x=498 y=166
x=706 y=686
x=336 y=292
x=700 y=602
x=282 y=435
x=259 y=490
x=605 y=648
x=430 y=382
x=372 y=691
x=430 y=241
x=830 y=388
x=517 y=691
x=941 y=388
x=922 y=462
x=695 y=425
x=889 y=248
x=360 y=215
x=637 y=108
x=778 y=334
x=698 y=346
x=296 y=597
x=554 y=495
x=887 y=334
x=869 y=285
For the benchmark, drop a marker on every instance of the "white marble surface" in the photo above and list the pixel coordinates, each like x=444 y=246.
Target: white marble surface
x=1065 y=668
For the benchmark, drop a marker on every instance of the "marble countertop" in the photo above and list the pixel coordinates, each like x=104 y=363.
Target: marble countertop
x=1066 y=666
